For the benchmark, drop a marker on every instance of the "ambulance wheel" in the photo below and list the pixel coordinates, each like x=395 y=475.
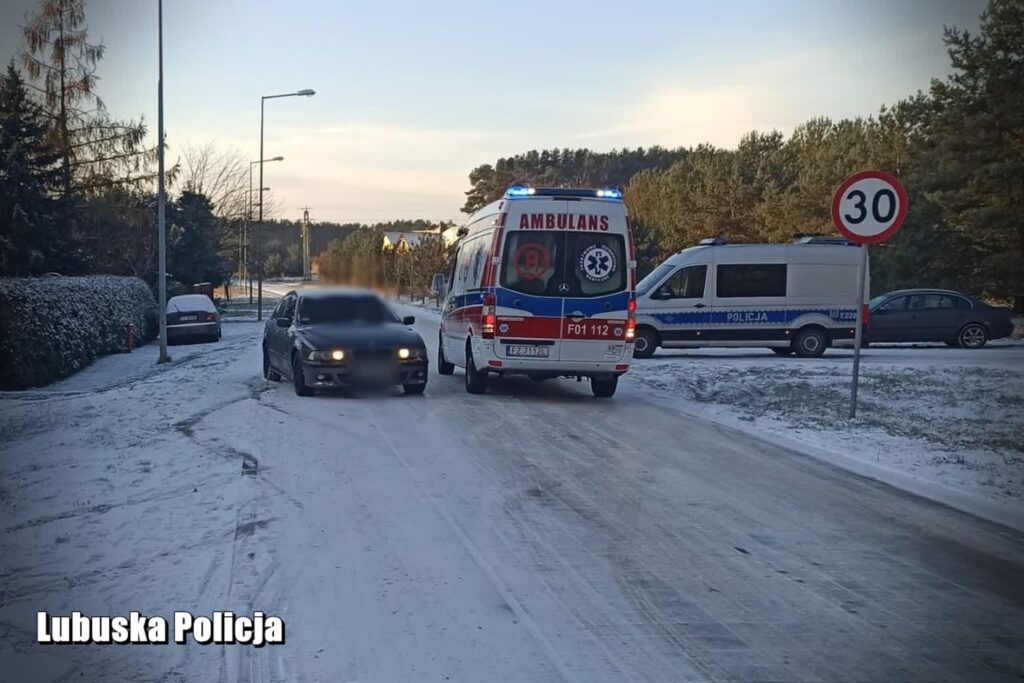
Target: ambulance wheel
x=604 y=387
x=443 y=366
x=476 y=380
x=782 y=351
x=646 y=343
x=810 y=342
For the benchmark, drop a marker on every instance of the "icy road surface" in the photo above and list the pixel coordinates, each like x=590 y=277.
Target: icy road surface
x=532 y=534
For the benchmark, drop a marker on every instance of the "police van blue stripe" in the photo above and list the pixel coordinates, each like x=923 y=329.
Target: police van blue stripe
x=752 y=316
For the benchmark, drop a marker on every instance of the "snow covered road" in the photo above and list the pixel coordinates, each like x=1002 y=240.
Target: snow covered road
x=532 y=534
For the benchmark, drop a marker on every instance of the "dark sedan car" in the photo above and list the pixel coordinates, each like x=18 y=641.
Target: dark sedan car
x=192 y=317
x=327 y=338
x=936 y=315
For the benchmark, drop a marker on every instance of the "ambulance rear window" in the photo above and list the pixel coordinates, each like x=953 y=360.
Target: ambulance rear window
x=564 y=264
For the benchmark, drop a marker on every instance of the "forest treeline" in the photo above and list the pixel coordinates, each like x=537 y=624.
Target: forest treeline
x=77 y=185
x=958 y=148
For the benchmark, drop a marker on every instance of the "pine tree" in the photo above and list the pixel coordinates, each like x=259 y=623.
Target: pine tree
x=96 y=151
x=29 y=179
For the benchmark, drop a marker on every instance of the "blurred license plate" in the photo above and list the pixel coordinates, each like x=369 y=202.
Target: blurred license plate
x=527 y=350
x=188 y=318
x=374 y=371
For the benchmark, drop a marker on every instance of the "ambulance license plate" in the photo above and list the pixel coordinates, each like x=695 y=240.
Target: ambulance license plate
x=526 y=350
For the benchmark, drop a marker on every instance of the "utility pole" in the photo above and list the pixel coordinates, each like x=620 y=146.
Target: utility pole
x=161 y=190
x=306 y=270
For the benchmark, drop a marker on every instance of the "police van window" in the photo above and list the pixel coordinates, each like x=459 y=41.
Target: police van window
x=686 y=283
x=750 y=280
x=653 y=278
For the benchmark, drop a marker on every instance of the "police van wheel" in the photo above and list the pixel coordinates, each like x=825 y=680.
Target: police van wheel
x=604 y=387
x=443 y=366
x=646 y=343
x=810 y=342
x=476 y=380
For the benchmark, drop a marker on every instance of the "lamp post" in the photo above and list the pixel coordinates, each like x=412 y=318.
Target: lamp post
x=259 y=262
x=161 y=190
x=248 y=216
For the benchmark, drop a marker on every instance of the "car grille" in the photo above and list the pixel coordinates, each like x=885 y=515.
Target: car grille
x=373 y=355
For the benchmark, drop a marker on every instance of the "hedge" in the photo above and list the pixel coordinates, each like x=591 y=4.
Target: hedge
x=52 y=327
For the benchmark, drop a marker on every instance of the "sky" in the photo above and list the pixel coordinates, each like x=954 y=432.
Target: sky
x=411 y=96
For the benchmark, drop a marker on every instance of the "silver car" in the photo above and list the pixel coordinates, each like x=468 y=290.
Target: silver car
x=192 y=317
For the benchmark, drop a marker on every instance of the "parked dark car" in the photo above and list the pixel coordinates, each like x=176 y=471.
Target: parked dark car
x=192 y=317
x=329 y=338
x=936 y=315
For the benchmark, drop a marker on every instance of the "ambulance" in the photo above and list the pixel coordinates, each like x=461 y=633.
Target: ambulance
x=542 y=285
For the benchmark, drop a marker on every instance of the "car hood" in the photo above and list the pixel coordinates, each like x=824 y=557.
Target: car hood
x=358 y=336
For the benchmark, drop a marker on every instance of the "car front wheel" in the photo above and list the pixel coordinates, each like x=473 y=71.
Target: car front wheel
x=269 y=373
x=413 y=389
x=299 y=379
x=972 y=336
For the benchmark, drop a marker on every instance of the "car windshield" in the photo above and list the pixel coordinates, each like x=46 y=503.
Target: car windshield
x=359 y=310
x=653 y=278
x=877 y=300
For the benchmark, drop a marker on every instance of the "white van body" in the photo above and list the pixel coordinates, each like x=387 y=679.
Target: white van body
x=542 y=285
x=799 y=298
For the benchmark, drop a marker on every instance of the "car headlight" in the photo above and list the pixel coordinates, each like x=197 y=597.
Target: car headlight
x=408 y=353
x=326 y=356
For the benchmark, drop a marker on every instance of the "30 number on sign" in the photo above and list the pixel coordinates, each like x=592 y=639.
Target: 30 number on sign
x=869 y=207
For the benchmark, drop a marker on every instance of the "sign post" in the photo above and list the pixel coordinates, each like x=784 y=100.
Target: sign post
x=868 y=208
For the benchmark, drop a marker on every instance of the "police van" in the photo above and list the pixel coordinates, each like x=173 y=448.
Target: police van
x=542 y=285
x=792 y=298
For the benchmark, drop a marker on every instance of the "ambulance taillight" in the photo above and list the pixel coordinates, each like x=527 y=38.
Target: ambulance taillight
x=631 y=320
x=488 y=315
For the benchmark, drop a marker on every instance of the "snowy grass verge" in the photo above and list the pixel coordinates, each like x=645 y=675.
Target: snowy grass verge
x=52 y=327
x=949 y=432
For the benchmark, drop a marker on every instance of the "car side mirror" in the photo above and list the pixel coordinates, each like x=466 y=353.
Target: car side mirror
x=409 y=320
x=284 y=322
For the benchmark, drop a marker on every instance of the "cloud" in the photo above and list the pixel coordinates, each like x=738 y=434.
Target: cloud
x=682 y=115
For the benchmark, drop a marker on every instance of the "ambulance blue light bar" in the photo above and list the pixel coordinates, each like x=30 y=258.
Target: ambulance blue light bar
x=517 y=191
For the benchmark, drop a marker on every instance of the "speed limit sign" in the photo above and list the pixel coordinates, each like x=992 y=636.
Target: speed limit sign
x=869 y=207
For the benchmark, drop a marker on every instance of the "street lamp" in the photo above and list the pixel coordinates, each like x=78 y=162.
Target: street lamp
x=161 y=190
x=259 y=264
x=248 y=217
